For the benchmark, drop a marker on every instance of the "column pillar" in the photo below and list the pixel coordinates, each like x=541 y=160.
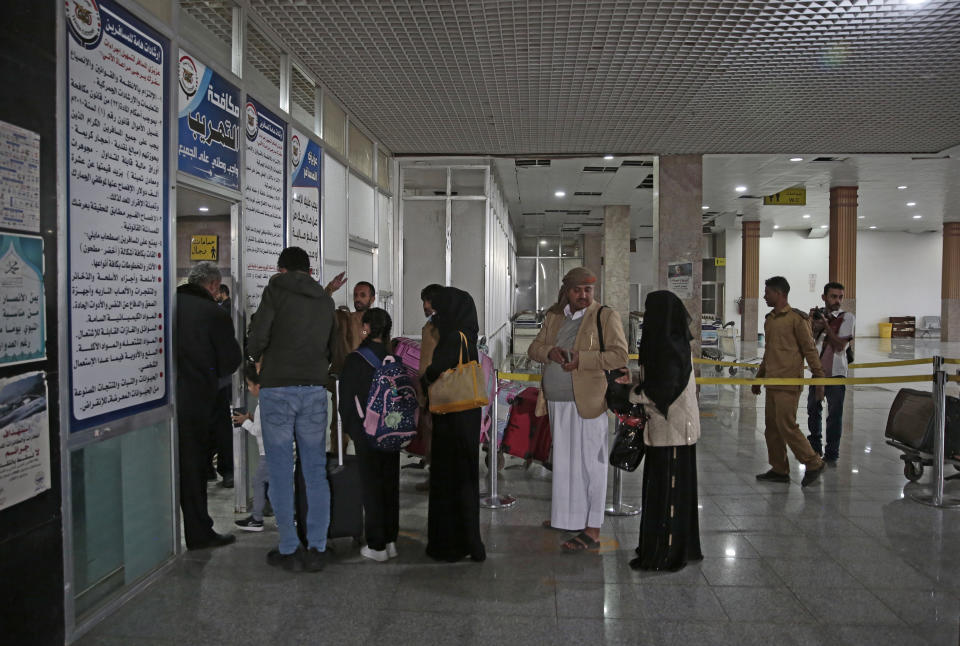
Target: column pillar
x=678 y=227
x=950 y=283
x=750 y=281
x=616 y=260
x=843 y=243
x=593 y=260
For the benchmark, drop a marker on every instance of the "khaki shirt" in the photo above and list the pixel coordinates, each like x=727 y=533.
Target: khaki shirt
x=788 y=341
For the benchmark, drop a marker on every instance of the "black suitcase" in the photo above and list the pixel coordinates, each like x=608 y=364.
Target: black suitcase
x=346 y=506
x=912 y=422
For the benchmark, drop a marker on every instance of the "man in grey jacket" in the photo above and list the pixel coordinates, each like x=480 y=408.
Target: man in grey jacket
x=291 y=336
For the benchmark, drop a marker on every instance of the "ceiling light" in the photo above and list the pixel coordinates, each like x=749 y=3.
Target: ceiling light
x=806 y=216
x=740 y=189
x=872 y=226
x=705 y=207
x=860 y=217
x=203 y=209
x=917 y=217
x=916 y=1
x=543 y=242
x=608 y=157
x=901 y=187
x=911 y=203
x=823 y=226
x=561 y=193
x=776 y=226
x=796 y=159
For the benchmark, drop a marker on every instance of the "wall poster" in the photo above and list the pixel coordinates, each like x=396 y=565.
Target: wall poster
x=19 y=178
x=680 y=279
x=304 y=226
x=208 y=124
x=24 y=438
x=264 y=199
x=117 y=99
x=23 y=334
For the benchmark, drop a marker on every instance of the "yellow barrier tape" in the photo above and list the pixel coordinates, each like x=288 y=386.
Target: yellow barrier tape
x=714 y=362
x=953 y=378
x=517 y=376
x=952 y=361
x=815 y=381
x=887 y=364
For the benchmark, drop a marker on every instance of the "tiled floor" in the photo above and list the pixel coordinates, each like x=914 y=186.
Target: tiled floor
x=850 y=560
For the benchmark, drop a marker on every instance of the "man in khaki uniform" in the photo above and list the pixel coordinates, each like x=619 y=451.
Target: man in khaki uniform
x=788 y=342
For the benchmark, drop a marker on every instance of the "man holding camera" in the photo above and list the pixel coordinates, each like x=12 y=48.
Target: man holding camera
x=832 y=331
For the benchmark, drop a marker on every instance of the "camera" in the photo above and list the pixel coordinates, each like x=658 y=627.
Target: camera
x=819 y=313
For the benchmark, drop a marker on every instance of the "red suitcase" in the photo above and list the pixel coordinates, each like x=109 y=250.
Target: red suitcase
x=527 y=436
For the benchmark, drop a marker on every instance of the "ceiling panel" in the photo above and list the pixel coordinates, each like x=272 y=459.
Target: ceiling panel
x=595 y=76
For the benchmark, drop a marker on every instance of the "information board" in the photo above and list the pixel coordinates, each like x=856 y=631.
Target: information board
x=304 y=212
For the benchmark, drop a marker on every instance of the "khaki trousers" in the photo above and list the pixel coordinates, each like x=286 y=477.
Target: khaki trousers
x=782 y=430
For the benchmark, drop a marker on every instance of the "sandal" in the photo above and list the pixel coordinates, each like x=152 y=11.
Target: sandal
x=580 y=543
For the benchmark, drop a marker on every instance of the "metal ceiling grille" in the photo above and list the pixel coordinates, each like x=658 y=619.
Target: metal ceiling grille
x=598 y=76
x=215 y=15
x=263 y=55
x=302 y=91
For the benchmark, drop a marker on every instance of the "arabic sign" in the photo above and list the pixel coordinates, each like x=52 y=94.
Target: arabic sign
x=796 y=196
x=24 y=438
x=203 y=247
x=19 y=178
x=116 y=210
x=264 y=199
x=23 y=331
x=680 y=279
x=304 y=210
x=208 y=124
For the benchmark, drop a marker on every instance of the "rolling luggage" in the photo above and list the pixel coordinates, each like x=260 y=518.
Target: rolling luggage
x=527 y=436
x=911 y=421
x=346 y=505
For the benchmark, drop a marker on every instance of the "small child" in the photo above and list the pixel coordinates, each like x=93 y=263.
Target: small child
x=254 y=522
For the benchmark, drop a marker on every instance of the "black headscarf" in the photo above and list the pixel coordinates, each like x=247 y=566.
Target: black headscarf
x=455 y=312
x=665 y=349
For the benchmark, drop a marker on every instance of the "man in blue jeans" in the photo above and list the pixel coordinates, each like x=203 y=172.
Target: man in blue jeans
x=291 y=336
x=833 y=330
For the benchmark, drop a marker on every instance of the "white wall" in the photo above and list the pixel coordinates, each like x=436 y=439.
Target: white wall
x=898 y=274
x=641 y=272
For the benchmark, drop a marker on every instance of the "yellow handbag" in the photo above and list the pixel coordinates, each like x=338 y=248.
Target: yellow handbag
x=460 y=388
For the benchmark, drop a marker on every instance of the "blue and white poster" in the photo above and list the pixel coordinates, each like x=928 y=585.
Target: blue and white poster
x=23 y=334
x=264 y=199
x=304 y=212
x=208 y=123
x=24 y=438
x=117 y=95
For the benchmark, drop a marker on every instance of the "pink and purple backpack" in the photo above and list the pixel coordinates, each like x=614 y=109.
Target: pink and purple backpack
x=392 y=411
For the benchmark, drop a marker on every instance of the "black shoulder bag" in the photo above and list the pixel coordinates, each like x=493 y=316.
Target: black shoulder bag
x=618 y=395
x=628 y=448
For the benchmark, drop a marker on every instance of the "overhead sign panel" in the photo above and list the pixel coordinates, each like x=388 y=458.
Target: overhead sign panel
x=796 y=196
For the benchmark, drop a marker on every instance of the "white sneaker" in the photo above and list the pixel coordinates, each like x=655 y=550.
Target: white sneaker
x=374 y=555
x=392 y=550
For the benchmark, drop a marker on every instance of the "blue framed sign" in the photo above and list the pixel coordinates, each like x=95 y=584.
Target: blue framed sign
x=304 y=212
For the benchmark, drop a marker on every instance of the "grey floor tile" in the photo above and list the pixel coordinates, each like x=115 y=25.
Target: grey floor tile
x=769 y=605
x=679 y=603
x=846 y=606
x=765 y=524
x=740 y=572
x=805 y=573
x=922 y=606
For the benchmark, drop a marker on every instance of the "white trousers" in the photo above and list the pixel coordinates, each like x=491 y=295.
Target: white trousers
x=580 y=460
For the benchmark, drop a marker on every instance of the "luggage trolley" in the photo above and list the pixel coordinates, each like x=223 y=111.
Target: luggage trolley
x=910 y=429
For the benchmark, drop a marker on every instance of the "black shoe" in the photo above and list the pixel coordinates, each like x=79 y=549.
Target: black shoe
x=773 y=476
x=810 y=476
x=831 y=460
x=216 y=540
x=313 y=560
x=289 y=562
x=250 y=524
x=227 y=483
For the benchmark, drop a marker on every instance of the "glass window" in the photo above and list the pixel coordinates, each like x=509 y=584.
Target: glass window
x=123 y=515
x=467 y=249
x=385 y=243
x=208 y=25
x=549 y=246
x=361 y=151
x=334 y=223
x=527 y=245
x=362 y=217
x=424 y=258
x=262 y=65
x=334 y=126
x=468 y=181
x=548 y=279
x=383 y=169
x=526 y=291
x=425 y=181
x=302 y=99
x=571 y=247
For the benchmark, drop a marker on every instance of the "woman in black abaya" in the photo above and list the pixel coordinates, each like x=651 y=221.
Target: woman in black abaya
x=453 y=519
x=669 y=525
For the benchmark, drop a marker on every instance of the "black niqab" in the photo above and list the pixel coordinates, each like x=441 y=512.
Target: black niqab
x=455 y=312
x=665 y=349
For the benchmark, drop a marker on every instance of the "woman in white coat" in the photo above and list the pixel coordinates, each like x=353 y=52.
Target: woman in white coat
x=669 y=525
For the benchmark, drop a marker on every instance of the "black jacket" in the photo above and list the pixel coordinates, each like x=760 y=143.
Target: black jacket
x=206 y=351
x=293 y=331
x=455 y=313
x=355 y=381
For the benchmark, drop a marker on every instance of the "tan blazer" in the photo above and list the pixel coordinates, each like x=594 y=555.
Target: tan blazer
x=589 y=382
x=681 y=426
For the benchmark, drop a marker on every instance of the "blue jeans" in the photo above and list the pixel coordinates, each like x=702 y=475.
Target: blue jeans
x=297 y=412
x=834 y=397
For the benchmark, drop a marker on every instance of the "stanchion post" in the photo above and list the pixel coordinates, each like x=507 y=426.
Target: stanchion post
x=617 y=507
x=934 y=494
x=495 y=500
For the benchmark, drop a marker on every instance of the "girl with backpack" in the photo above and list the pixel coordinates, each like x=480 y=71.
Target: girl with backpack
x=379 y=470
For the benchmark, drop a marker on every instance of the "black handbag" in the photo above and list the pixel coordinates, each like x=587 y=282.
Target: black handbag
x=628 y=447
x=618 y=395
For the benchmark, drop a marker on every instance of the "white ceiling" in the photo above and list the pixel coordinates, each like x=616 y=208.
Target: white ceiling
x=596 y=76
x=189 y=202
